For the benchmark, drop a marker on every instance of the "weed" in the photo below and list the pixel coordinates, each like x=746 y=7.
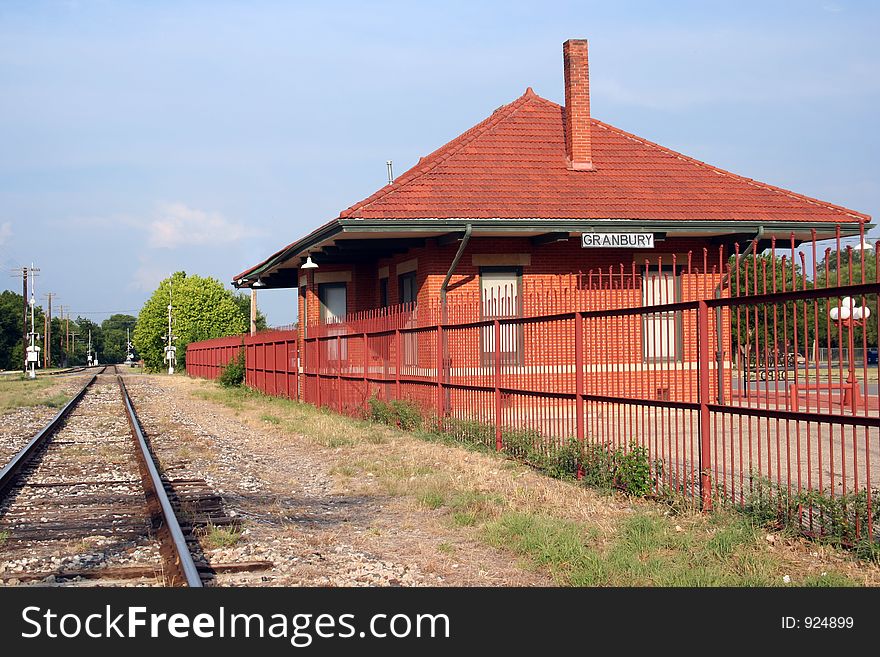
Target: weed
x=409 y=417
x=221 y=536
x=432 y=498
x=271 y=419
x=841 y=520
x=397 y=413
x=446 y=548
x=4 y=536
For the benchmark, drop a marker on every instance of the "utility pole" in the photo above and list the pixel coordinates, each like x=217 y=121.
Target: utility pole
x=253 y=311
x=170 y=349
x=47 y=332
x=24 y=296
x=48 y=342
x=32 y=351
x=129 y=356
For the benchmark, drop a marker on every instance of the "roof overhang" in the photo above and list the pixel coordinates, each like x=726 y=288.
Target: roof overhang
x=356 y=240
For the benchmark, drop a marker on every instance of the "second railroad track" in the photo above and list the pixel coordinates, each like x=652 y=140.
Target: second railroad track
x=83 y=500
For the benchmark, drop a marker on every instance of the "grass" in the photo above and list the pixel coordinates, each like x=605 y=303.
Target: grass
x=649 y=549
x=27 y=393
x=221 y=536
x=577 y=536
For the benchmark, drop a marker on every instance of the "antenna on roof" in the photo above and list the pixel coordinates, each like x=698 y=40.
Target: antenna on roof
x=390 y=172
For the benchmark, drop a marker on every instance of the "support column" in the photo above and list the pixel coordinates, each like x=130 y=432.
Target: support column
x=253 y=311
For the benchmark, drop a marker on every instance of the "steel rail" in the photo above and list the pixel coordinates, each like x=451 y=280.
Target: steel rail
x=17 y=462
x=179 y=562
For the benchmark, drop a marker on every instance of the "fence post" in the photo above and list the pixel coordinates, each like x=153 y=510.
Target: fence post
x=440 y=364
x=318 y=366
x=366 y=363
x=579 y=374
x=703 y=398
x=339 y=372
x=497 y=345
x=397 y=361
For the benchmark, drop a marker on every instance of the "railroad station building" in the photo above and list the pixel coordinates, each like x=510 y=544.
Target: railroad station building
x=540 y=208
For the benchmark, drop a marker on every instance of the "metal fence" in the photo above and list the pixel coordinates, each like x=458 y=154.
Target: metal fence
x=271 y=360
x=747 y=393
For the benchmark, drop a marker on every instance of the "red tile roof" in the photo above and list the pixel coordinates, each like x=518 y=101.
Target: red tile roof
x=512 y=165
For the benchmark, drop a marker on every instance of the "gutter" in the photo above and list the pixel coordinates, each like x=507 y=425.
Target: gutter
x=444 y=288
x=499 y=225
x=719 y=333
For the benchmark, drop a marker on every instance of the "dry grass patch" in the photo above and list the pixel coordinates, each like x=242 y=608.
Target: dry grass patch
x=25 y=393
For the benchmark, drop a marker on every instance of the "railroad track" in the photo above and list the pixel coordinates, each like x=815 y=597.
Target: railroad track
x=84 y=500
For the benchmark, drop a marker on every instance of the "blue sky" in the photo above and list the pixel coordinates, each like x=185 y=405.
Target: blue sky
x=139 y=138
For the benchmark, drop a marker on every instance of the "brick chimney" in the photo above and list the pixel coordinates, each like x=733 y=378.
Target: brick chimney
x=578 y=147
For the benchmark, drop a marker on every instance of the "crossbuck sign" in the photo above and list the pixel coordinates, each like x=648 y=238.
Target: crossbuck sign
x=617 y=240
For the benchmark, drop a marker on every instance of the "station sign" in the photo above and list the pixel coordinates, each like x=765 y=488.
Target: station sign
x=617 y=240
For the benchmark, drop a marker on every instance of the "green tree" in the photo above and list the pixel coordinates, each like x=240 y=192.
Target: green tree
x=84 y=327
x=11 y=349
x=10 y=330
x=202 y=309
x=830 y=275
x=114 y=330
x=759 y=331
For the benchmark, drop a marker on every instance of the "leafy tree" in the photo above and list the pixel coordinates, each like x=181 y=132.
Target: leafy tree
x=761 y=330
x=829 y=274
x=84 y=327
x=11 y=349
x=202 y=309
x=10 y=330
x=114 y=330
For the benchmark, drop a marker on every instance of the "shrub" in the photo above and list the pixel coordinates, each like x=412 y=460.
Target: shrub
x=380 y=412
x=398 y=413
x=841 y=520
x=407 y=414
x=633 y=471
x=232 y=374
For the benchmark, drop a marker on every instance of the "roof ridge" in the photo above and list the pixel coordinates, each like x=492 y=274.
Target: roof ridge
x=428 y=162
x=725 y=172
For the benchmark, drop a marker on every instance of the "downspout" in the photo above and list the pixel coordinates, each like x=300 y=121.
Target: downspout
x=443 y=288
x=719 y=332
x=445 y=313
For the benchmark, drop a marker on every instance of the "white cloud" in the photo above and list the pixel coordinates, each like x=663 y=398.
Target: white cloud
x=147 y=276
x=5 y=232
x=180 y=225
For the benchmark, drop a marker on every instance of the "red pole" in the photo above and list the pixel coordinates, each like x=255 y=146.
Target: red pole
x=366 y=362
x=579 y=381
x=397 y=361
x=498 y=442
x=441 y=412
x=704 y=395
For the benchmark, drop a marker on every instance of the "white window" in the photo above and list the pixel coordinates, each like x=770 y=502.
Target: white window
x=661 y=335
x=334 y=305
x=501 y=298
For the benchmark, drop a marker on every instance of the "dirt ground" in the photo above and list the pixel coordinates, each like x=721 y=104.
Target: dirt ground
x=318 y=527
x=329 y=512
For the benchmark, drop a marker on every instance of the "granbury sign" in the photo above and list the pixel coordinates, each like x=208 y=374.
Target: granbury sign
x=617 y=240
